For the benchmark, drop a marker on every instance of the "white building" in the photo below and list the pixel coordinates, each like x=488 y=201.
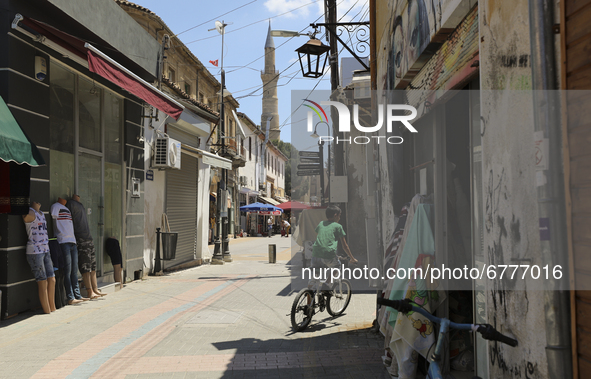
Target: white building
x=263 y=177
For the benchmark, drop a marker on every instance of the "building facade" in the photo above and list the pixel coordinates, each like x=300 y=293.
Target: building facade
x=263 y=176
x=88 y=129
x=185 y=195
x=466 y=66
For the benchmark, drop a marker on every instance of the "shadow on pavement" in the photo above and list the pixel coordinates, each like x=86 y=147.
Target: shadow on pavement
x=342 y=354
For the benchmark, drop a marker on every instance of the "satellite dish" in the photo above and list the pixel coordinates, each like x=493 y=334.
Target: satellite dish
x=219 y=27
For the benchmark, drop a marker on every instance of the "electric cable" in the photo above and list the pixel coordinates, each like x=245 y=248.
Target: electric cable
x=257 y=22
x=215 y=18
x=340 y=51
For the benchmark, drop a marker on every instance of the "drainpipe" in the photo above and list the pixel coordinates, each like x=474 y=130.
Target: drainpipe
x=551 y=205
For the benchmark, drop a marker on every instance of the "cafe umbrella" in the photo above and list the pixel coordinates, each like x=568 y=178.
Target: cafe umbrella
x=261 y=209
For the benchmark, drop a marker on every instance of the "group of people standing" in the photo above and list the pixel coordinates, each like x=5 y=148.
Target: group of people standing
x=76 y=245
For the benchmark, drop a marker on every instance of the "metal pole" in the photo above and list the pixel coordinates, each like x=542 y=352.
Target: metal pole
x=227 y=257
x=328 y=169
x=331 y=10
x=321 y=153
x=157 y=265
x=551 y=207
x=219 y=248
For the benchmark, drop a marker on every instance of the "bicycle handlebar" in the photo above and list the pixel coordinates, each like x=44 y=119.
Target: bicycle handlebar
x=487 y=331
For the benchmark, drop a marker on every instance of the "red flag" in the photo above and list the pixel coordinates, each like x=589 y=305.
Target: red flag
x=215 y=63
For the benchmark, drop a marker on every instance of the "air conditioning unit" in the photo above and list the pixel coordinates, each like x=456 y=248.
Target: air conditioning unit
x=167 y=153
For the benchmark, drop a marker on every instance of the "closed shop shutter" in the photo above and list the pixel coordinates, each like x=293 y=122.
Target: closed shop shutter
x=181 y=207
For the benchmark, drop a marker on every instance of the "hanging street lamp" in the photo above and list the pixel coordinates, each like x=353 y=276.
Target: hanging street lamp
x=314 y=53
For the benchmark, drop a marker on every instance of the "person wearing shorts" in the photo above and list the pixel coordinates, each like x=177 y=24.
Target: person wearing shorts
x=38 y=256
x=86 y=252
x=329 y=234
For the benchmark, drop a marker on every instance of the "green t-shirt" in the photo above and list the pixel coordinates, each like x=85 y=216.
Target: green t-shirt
x=329 y=234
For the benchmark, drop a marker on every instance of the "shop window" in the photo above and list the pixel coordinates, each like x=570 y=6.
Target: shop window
x=61 y=109
x=89 y=114
x=113 y=115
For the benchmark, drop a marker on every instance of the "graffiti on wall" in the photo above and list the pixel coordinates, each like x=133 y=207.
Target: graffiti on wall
x=412 y=26
x=524 y=369
x=456 y=60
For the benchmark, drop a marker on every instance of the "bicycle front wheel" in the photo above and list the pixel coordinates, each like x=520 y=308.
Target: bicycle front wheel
x=302 y=310
x=339 y=298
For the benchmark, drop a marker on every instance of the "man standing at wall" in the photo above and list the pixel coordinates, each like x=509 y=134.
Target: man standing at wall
x=64 y=231
x=86 y=253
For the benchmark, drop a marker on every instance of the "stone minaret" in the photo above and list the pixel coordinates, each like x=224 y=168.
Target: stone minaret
x=270 y=77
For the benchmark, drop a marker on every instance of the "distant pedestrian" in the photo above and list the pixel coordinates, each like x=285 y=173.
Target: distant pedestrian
x=286 y=226
x=270 y=226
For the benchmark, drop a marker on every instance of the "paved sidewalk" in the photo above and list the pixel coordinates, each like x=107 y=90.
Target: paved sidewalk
x=227 y=321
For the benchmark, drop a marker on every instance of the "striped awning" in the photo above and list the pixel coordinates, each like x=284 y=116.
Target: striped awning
x=268 y=200
x=14 y=144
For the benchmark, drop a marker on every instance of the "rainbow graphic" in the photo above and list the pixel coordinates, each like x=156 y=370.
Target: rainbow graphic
x=316 y=110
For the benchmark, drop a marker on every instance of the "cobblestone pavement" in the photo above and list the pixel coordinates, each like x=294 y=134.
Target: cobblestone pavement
x=228 y=321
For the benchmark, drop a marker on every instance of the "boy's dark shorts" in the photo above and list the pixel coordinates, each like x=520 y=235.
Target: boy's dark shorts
x=86 y=256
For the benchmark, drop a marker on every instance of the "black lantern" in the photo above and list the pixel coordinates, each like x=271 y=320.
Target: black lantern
x=312 y=51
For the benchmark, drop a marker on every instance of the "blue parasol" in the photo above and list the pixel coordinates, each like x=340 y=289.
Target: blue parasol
x=260 y=207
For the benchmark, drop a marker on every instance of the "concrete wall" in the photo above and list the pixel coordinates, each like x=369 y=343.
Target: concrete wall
x=511 y=229
x=511 y=217
x=154 y=198
x=108 y=21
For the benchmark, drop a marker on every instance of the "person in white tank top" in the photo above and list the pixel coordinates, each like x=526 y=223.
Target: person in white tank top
x=38 y=256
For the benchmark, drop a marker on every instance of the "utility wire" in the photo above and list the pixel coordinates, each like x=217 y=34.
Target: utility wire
x=257 y=22
x=322 y=77
x=215 y=18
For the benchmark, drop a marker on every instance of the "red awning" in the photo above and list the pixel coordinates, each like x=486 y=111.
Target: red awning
x=109 y=69
x=65 y=40
x=114 y=73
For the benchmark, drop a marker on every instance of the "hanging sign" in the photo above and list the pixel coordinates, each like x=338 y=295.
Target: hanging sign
x=270 y=213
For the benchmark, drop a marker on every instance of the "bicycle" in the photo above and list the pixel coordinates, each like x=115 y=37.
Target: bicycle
x=305 y=305
x=487 y=331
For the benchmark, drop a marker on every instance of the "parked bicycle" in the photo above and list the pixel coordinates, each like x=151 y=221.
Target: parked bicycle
x=487 y=331
x=333 y=297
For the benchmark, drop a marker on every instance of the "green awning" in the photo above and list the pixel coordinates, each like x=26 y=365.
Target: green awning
x=14 y=144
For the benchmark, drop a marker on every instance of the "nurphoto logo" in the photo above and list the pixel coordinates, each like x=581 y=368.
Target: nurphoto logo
x=344 y=121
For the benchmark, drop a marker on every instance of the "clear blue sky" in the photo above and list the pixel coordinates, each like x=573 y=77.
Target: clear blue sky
x=245 y=46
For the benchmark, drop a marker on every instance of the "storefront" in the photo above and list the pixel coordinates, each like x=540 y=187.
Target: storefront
x=89 y=130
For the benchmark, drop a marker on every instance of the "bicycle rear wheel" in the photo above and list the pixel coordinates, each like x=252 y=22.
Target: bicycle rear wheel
x=339 y=298
x=302 y=310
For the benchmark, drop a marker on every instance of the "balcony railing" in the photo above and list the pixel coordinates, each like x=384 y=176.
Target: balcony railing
x=232 y=146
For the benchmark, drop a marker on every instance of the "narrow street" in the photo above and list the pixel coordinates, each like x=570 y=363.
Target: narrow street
x=229 y=321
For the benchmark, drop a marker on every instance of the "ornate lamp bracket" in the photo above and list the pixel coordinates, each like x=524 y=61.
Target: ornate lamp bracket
x=358 y=33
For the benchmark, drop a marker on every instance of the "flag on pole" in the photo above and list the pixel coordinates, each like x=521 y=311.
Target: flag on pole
x=215 y=63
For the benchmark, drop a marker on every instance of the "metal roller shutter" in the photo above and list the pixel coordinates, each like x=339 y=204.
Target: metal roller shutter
x=181 y=207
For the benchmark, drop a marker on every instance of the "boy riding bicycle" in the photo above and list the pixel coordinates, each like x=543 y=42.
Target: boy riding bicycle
x=329 y=233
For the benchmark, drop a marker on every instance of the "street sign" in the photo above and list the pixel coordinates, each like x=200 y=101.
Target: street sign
x=308 y=172
x=309 y=160
x=310 y=154
x=309 y=167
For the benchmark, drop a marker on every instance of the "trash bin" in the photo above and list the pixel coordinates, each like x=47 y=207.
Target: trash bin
x=169 y=240
x=272 y=253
